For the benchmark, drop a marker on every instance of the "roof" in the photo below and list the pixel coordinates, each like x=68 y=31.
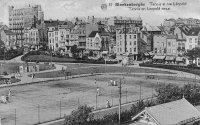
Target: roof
x=9 y=32
x=194 y=31
x=138 y=124
x=190 y=31
x=158 y=57
x=151 y=28
x=173 y=112
x=93 y=33
x=171 y=37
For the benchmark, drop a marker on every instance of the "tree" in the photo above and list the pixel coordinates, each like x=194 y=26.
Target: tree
x=193 y=54
x=80 y=116
x=168 y=93
x=74 y=50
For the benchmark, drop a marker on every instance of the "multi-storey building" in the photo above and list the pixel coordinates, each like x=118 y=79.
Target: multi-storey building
x=44 y=27
x=120 y=22
x=188 y=38
x=171 y=45
x=127 y=42
x=9 y=38
x=61 y=39
x=23 y=18
x=100 y=41
x=93 y=43
x=159 y=44
x=31 y=38
x=84 y=30
x=147 y=35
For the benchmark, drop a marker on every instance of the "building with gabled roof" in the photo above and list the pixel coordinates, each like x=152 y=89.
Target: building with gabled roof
x=179 y=112
x=9 y=38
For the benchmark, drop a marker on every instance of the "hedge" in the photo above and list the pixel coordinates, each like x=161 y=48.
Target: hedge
x=46 y=58
x=195 y=70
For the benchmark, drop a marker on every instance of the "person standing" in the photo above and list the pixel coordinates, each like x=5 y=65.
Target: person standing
x=98 y=91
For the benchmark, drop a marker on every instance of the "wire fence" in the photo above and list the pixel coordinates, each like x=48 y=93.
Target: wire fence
x=51 y=110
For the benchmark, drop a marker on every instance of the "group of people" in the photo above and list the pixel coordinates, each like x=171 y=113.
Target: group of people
x=7 y=81
x=5 y=98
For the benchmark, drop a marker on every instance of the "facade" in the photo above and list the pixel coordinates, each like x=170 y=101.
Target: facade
x=159 y=44
x=44 y=27
x=120 y=22
x=169 y=22
x=191 y=42
x=71 y=40
x=61 y=39
x=9 y=38
x=147 y=35
x=93 y=43
x=171 y=45
x=188 y=36
x=31 y=38
x=84 y=30
x=20 y=19
x=127 y=44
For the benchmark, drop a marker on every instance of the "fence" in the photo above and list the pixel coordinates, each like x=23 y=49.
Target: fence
x=47 y=110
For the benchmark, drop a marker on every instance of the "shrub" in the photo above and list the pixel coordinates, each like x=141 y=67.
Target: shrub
x=5 y=73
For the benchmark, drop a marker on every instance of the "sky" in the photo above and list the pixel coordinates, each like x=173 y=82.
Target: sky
x=62 y=9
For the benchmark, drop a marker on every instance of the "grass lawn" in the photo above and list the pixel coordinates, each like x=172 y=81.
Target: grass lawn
x=72 y=93
x=45 y=58
x=78 y=65
x=99 y=69
x=9 y=67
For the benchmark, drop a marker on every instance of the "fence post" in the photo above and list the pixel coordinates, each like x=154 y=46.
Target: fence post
x=15 y=117
x=38 y=113
x=60 y=108
x=126 y=95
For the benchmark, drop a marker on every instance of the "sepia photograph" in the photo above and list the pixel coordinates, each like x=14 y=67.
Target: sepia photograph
x=99 y=62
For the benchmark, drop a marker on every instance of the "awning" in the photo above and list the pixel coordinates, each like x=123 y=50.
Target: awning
x=179 y=59
x=158 y=57
x=146 y=54
x=105 y=52
x=169 y=58
x=151 y=53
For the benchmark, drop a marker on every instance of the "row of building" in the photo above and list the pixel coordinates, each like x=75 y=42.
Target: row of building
x=112 y=35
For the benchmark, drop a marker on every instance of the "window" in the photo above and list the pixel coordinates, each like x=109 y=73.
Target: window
x=190 y=47
x=131 y=50
x=155 y=50
x=120 y=49
x=134 y=49
x=130 y=43
x=134 y=42
x=169 y=43
x=190 y=40
x=120 y=36
x=134 y=36
x=56 y=39
x=130 y=36
x=196 y=40
x=120 y=42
